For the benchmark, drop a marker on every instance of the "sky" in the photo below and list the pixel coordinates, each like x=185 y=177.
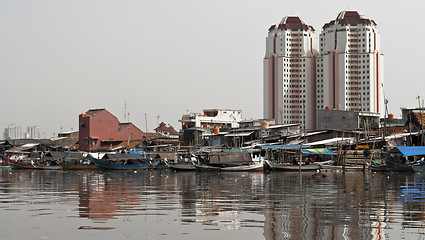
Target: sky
x=157 y=60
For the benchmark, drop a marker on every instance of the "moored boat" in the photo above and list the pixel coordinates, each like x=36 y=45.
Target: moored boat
x=46 y=166
x=290 y=167
x=124 y=162
x=232 y=161
x=401 y=158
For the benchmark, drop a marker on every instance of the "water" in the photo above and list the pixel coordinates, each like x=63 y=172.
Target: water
x=161 y=204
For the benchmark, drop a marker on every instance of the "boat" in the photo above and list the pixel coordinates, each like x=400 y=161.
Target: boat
x=259 y=166
x=378 y=167
x=234 y=160
x=319 y=175
x=124 y=162
x=20 y=164
x=181 y=166
x=3 y=162
x=399 y=158
x=291 y=159
x=290 y=167
x=76 y=161
x=341 y=167
x=182 y=162
x=46 y=165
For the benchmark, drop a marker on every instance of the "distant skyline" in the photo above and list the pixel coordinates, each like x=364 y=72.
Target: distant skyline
x=166 y=58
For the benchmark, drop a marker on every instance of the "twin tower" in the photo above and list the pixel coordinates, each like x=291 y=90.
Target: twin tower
x=342 y=69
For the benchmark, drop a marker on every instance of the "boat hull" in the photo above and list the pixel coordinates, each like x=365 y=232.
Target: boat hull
x=20 y=165
x=111 y=166
x=78 y=166
x=418 y=168
x=392 y=166
x=290 y=167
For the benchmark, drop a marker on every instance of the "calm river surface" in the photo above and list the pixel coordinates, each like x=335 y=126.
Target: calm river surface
x=160 y=204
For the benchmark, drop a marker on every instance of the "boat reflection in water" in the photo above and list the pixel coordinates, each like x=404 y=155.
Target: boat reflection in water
x=192 y=205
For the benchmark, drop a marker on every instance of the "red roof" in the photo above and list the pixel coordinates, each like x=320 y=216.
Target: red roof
x=349 y=17
x=163 y=128
x=292 y=23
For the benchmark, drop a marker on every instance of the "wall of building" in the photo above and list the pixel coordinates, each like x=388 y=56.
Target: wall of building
x=290 y=73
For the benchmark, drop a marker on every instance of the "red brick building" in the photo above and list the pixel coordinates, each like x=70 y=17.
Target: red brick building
x=99 y=125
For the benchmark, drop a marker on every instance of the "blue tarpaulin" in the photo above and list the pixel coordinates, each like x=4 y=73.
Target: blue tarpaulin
x=409 y=151
x=317 y=151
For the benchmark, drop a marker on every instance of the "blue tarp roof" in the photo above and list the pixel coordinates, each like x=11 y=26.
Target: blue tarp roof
x=281 y=146
x=317 y=151
x=409 y=151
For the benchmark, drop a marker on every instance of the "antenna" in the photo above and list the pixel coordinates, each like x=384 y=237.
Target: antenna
x=146 y=122
x=125 y=110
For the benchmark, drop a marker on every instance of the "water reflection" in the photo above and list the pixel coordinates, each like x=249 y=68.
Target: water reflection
x=183 y=205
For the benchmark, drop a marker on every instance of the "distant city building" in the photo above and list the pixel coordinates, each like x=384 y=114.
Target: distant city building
x=350 y=66
x=12 y=132
x=33 y=132
x=98 y=126
x=290 y=73
x=211 y=119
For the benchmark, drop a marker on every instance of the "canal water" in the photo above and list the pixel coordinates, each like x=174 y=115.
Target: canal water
x=36 y=204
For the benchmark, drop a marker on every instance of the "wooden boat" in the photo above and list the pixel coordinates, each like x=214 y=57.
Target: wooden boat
x=76 y=161
x=231 y=161
x=45 y=166
x=123 y=162
x=339 y=167
x=20 y=164
x=399 y=159
x=378 y=167
x=399 y=167
x=259 y=166
x=3 y=161
x=290 y=167
x=190 y=166
x=319 y=175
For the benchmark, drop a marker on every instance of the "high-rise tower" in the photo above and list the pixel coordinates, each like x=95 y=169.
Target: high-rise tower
x=290 y=73
x=350 y=65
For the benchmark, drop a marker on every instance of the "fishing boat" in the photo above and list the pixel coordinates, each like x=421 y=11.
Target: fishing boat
x=290 y=159
x=400 y=158
x=46 y=166
x=76 y=161
x=3 y=162
x=378 y=167
x=290 y=167
x=231 y=161
x=182 y=162
x=20 y=162
x=124 y=162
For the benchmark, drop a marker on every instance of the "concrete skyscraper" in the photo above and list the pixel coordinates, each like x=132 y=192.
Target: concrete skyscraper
x=290 y=73
x=345 y=72
x=350 y=65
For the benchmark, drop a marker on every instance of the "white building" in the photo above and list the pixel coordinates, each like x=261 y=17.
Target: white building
x=350 y=65
x=212 y=118
x=289 y=70
x=33 y=132
x=12 y=132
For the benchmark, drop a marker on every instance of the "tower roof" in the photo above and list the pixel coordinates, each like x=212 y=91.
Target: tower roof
x=349 y=17
x=292 y=23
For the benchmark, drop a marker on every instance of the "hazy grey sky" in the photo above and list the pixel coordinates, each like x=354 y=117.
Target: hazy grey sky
x=60 y=58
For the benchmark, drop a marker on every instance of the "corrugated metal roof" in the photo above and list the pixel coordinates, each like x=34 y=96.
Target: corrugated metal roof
x=242 y=134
